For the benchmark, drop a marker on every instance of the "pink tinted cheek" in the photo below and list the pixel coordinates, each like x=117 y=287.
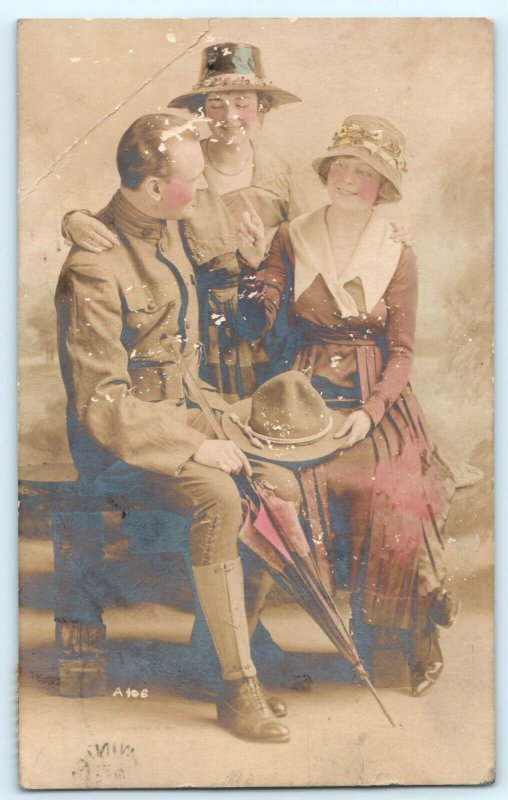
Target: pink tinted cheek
x=177 y=194
x=249 y=114
x=368 y=190
x=336 y=173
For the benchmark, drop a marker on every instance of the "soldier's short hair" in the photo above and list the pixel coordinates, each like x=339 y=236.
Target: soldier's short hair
x=144 y=148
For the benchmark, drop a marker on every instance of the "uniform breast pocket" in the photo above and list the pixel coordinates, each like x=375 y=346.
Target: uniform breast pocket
x=151 y=301
x=151 y=316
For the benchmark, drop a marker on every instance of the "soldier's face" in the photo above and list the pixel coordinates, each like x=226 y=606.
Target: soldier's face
x=178 y=194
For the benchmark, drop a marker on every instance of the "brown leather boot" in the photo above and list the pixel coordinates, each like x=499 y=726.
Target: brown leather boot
x=242 y=709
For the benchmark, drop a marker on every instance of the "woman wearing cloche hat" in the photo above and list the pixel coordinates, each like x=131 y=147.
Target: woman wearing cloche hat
x=352 y=304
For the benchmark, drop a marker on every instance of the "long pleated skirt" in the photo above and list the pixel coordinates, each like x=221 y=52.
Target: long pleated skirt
x=387 y=498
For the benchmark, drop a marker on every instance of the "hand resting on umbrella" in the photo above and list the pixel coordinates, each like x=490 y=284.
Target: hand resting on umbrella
x=224 y=455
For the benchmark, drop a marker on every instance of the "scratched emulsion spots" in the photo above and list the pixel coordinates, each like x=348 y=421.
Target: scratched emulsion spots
x=451 y=376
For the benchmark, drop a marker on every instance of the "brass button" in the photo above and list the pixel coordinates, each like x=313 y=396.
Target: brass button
x=150 y=305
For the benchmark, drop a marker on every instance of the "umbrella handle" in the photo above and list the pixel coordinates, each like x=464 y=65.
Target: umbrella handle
x=203 y=403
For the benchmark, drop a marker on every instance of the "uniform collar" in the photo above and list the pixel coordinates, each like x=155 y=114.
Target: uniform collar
x=134 y=222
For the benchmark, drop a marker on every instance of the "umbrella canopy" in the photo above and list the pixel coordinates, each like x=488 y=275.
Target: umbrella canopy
x=273 y=531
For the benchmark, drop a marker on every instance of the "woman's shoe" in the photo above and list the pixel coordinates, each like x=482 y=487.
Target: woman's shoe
x=242 y=709
x=423 y=676
x=427 y=663
x=443 y=608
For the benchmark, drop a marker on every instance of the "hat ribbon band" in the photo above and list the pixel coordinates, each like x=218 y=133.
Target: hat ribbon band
x=375 y=150
x=227 y=78
x=302 y=440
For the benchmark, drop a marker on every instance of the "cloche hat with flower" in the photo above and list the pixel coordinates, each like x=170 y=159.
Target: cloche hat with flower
x=377 y=142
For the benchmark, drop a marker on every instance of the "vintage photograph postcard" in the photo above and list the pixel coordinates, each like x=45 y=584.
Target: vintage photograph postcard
x=255 y=397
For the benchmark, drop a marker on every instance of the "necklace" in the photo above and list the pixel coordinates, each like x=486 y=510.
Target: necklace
x=221 y=171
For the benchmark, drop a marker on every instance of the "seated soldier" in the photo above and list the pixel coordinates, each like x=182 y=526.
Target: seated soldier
x=134 y=424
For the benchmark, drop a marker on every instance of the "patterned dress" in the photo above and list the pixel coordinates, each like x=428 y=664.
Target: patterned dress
x=232 y=364
x=378 y=508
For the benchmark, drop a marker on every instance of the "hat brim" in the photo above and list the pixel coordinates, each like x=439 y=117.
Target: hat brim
x=390 y=173
x=280 y=95
x=281 y=453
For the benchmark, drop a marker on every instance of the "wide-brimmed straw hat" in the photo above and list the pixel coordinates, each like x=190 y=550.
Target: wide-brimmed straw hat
x=377 y=142
x=288 y=418
x=231 y=67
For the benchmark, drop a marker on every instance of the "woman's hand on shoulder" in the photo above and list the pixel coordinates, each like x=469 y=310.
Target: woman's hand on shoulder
x=354 y=429
x=400 y=234
x=90 y=234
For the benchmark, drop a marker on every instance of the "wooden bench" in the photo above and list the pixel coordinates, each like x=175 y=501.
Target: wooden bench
x=77 y=518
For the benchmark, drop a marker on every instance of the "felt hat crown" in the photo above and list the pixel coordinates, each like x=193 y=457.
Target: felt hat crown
x=231 y=66
x=287 y=418
x=377 y=142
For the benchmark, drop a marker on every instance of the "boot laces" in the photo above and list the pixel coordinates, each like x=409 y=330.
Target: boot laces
x=254 y=692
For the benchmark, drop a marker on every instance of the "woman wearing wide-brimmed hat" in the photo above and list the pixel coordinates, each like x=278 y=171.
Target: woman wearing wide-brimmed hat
x=249 y=187
x=352 y=296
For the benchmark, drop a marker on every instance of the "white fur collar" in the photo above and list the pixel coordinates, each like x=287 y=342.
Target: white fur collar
x=374 y=260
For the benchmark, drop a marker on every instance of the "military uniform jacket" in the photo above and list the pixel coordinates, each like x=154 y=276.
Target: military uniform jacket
x=117 y=312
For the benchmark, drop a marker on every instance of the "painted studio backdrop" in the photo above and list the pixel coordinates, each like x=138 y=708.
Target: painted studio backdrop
x=81 y=84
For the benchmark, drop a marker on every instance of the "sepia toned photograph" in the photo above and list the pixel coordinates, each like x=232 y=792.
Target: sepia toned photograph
x=255 y=403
